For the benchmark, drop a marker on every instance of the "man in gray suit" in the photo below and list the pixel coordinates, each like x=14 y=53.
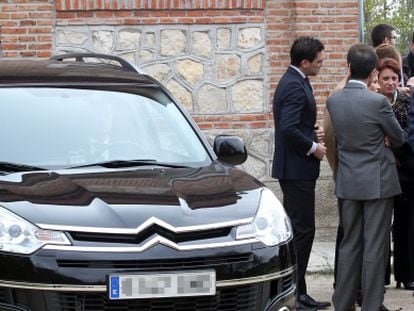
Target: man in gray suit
x=366 y=182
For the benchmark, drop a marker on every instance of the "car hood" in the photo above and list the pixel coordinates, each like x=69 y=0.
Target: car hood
x=126 y=198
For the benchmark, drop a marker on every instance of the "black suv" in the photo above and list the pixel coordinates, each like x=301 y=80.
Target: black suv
x=112 y=199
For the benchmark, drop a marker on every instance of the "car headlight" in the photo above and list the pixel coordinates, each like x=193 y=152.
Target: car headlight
x=20 y=236
x=271 y=225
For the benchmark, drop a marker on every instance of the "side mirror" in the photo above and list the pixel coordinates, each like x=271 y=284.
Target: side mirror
x=230 y=149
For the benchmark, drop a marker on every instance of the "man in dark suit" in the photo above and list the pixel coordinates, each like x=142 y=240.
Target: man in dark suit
x=366 y=181
x=298 y=151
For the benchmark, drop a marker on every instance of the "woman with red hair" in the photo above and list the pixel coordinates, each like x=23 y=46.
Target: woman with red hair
x=389 y=77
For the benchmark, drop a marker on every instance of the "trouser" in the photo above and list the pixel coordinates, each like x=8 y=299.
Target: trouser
x=364 y=247
x=299 y=203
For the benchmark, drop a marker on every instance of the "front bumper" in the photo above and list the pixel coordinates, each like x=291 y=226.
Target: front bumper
x=249 y=277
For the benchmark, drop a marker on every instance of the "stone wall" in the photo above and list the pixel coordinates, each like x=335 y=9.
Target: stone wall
x=212 y=70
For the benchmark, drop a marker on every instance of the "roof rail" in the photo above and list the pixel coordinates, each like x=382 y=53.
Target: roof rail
x=80 y=57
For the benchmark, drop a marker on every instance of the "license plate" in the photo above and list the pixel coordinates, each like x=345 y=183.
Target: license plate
x=168 y=284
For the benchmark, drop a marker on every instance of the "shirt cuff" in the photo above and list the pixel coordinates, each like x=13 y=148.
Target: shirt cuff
x=312 y=149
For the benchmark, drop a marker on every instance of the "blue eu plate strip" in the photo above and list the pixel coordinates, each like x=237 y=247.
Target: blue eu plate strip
x=114 y=287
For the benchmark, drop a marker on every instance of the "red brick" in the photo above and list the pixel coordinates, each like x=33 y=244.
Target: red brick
x=28 y=54
x=84 y=14
x=14 y=46
x=258 y=125
x=40 y=30
x=222 y=125
x=10 y=39
x=46 y=46
x=238 y=125
x=26 y=38
x=212 y=118
x=65 y=15
x=104 y=14
x=10 y=54
x=306 y=4
x=40 y=15
x=44 y=54
x=13 y=31
x=123 y=14
x=198 y=118
x=10 y=23
x=27 y=23
x=205 y=126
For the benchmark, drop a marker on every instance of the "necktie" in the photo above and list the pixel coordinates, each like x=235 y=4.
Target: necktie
x=308 y=84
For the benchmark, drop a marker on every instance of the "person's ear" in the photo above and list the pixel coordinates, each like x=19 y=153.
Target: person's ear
x=304 y=63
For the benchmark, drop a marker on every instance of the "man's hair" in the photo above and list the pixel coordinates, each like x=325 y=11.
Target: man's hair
x=362 y=60
x=380 y=32
x=389 y=63
x=385 y=50
x=305 y=48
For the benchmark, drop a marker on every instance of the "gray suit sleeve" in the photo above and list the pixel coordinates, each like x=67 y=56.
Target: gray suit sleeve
x=390 y=124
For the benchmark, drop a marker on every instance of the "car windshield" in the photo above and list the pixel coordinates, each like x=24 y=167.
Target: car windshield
x=66 y=127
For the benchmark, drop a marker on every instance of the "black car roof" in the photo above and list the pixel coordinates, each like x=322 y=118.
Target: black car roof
x=52 y=71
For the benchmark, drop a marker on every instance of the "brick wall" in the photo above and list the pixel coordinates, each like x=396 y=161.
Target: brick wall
x=86 y=5
x=35 y=28
x=335 y=23
x=26 y=28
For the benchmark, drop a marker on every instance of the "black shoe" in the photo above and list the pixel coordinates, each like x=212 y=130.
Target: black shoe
x=359 y=298
x=407 y=285
x=301 y=307
x=309 y=302
x=384 y=308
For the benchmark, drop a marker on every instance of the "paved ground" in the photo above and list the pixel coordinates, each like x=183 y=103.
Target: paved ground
x=320 y=288
x=321 y=263
x=320 y=279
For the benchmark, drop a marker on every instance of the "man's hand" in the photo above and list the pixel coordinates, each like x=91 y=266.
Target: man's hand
x=387 y=142
x=410 y=84
x=320 y=133
x=405 y=90
x=320 y=151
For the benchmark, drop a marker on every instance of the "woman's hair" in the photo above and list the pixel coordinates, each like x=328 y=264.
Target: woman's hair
x=388 y=51
x=389 y=63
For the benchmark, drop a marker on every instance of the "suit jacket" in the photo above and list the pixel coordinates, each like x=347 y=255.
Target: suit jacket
x=294 y=111
x=361 y=120
x=330 y=140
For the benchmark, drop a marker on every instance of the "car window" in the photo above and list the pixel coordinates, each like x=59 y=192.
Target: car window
x=64 y=127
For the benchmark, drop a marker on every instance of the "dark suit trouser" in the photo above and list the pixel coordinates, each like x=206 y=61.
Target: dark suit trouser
x=299 y=203
x=364 y=247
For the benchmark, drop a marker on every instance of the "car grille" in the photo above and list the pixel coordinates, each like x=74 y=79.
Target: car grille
x=243 y=298
x=143 y=265
x=151 y=231
x=5 y=295
x=286 y=283
x=251 y=297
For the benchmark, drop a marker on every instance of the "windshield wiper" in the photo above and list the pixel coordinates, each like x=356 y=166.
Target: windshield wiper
x=18 y=167
x=130 y=163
